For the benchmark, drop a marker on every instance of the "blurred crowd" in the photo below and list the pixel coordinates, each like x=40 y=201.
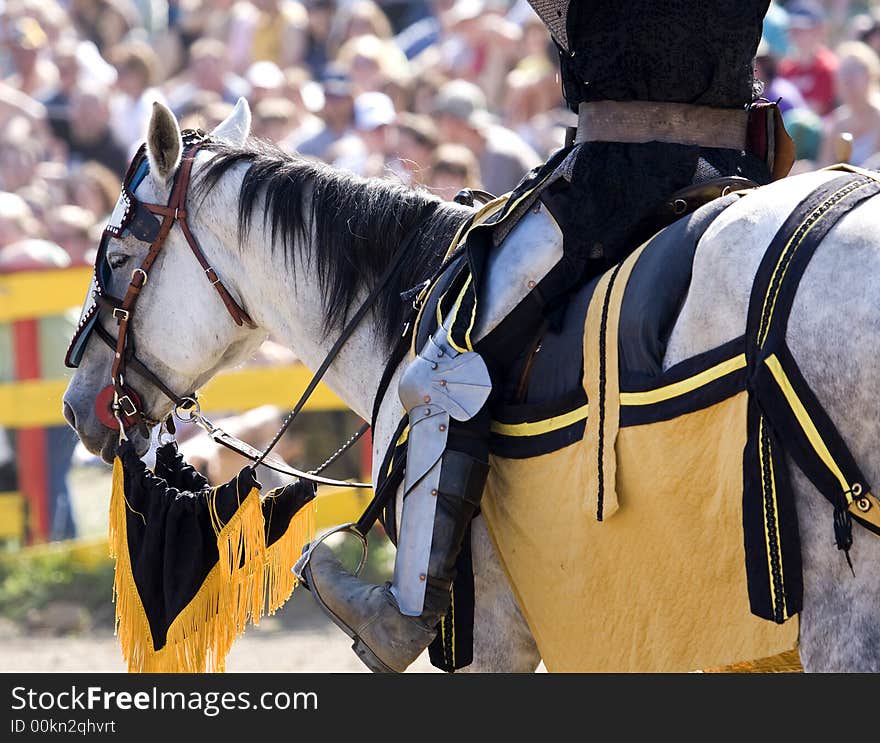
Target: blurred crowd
x=441 y=94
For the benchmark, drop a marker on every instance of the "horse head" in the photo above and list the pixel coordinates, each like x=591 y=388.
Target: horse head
x=176 y=319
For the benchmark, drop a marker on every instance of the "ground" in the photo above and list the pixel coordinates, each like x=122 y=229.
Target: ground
x=314 y=646
x=299 y=638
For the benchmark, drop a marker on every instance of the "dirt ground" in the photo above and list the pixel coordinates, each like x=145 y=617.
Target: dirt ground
x=299 y=640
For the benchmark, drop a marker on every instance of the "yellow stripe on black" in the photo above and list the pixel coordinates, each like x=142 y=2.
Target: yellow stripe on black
x=806 y=423
x=770 y=496
x=536 y=428
x=816 y=216
x=648 y=397
x=454 y=315
x=677 y=389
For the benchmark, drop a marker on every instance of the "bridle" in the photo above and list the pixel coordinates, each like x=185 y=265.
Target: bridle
x=118 y=406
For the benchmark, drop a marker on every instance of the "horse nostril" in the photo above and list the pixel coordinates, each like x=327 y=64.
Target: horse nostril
x=69 y=415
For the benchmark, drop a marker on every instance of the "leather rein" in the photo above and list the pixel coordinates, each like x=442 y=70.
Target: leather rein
x=125 y=404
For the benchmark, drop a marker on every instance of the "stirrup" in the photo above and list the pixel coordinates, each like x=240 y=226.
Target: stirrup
x=350 y=528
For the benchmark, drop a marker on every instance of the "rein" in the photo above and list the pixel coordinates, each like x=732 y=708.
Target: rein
x=119 y=405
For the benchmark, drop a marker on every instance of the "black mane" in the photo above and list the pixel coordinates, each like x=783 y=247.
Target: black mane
x=357 y=225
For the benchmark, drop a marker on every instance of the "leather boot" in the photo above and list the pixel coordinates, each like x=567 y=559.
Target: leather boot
x=384 y=639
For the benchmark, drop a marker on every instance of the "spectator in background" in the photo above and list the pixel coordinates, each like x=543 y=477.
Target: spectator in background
x=358 y=18
x=88 y=135
x=273 y=119
x=417 y=139
x=867 y=28
x=208 y=71
x=776 y=88
x=337 y=115
x=298 y=89
x=425 y=32
x=58 y=101
x=19 y=156
x=70 y=227
x=94 y=188
x=321 y=14
x=265 y=80
x=371 y=62
x=16 y=219
x=132 y=102
x=776 y=30
x=462 y=118
x=858 y=116
x=27 y=45
x=368 y=150
x=453 y=168
x=811 y=65
x=269 y=30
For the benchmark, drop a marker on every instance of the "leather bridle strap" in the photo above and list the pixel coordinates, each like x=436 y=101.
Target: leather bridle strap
x=174 y=211
x=426 y=211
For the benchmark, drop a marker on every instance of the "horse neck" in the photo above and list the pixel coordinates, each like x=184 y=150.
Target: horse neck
x=284 y=299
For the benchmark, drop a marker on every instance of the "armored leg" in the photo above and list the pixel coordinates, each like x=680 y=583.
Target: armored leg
x=444 y=392
x=384 y=637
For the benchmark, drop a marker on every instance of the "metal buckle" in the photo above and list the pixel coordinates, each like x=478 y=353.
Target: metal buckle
x=121 y=314
x=210 y=270
x=350 y=528
x=126 y=406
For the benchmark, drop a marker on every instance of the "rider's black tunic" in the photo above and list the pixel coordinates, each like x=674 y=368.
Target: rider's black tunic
x=681 y=51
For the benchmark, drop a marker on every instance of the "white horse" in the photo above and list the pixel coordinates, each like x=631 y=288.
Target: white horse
x=327 y=235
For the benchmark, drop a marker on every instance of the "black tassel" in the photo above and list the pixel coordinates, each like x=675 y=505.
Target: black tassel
x=843 y=530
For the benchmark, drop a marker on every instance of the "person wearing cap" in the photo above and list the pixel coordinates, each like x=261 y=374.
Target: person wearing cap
x=337 y=115
x=462 y=118
x=34 y=73
x=811 y=66
x=604 y=192
x=367 y=151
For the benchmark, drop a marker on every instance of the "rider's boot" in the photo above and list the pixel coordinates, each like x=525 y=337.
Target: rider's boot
x=384 y=638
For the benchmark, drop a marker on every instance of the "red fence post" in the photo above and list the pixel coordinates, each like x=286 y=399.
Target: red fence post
x=31 y=443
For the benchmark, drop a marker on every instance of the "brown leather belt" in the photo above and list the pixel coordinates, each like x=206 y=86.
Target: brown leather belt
x=673 y=123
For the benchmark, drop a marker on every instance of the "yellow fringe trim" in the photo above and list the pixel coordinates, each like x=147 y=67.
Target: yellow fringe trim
x=787 y=662
x=282 y=554
x=202 y=634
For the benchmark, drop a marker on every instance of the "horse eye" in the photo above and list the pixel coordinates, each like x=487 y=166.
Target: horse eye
x=117 y=260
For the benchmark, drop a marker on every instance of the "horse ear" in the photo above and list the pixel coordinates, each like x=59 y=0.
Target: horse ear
x=164 y=143
x=237 y=126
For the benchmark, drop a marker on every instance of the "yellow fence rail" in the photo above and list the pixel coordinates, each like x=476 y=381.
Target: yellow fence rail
x=28 y=294
x=37 y=403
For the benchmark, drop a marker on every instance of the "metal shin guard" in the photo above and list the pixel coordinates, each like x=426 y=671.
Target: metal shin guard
x=462 y=479
x=441 y=384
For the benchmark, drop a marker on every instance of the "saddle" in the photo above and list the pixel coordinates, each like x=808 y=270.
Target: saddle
x=590 y=407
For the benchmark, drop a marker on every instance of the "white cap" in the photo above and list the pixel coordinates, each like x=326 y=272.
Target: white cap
x=372 y=110
x=265 y=74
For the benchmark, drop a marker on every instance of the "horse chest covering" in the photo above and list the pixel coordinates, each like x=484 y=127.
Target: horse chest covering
x=669 y=534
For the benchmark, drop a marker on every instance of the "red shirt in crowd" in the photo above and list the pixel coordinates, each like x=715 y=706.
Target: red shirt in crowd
x=815 y=79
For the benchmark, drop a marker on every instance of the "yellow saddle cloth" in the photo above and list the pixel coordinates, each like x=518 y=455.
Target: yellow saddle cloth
x=659 y=584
